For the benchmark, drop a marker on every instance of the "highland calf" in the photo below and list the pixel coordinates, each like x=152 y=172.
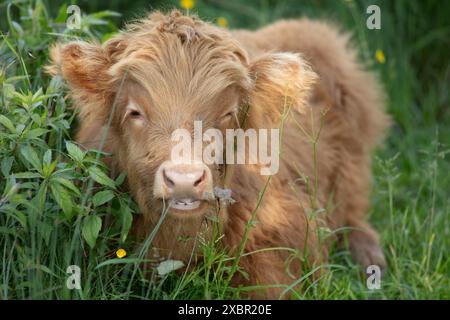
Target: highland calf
x=165 y=72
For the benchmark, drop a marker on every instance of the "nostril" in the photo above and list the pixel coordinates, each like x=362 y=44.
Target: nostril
x=198 y=181
x=169 y=182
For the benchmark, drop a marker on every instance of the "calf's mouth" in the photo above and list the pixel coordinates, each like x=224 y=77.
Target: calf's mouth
x=185 y=207
x=185 y=204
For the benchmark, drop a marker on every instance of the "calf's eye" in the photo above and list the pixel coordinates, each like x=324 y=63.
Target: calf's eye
x=134 y=114
x=227 y=117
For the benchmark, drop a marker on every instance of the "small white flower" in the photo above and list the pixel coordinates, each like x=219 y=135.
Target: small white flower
x=224 y=195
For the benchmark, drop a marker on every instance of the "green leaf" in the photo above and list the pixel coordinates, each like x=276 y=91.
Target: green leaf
x=31 y=156
x=48 y=157
x=120 y=261
x=6 y=165
x=45 y=231
x=19 y=129
x=105 y=14
x=27 y=175
x=16 y=214
x=68 y=184
x=62 y=14
x=127 y=220
x=62 y=197
x=102 y=197
x=120 y=179
x=43 y=268
x=49 y=166
x=100 y=177
x=40 y=198
x=7 y=123
x=74 y=151
x=90 y=229
x=17 y=27
x=35 y=133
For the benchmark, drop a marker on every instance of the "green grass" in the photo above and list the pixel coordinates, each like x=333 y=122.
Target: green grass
x=51 y=210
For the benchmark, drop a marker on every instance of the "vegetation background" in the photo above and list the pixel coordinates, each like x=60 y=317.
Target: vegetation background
x=52 y=213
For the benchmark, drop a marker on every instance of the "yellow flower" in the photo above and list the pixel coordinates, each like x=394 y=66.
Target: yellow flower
x=379 y=55
x=187 y=4
x=121 y=253
x=222 y=21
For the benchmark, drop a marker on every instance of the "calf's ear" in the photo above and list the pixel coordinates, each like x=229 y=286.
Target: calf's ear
x=84 y=67
x=281 y=81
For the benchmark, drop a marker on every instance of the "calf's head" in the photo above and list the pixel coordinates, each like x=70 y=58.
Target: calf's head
x=161 y=74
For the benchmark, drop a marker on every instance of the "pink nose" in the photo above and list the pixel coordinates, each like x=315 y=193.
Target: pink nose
x=184 y=177
x=182 y=180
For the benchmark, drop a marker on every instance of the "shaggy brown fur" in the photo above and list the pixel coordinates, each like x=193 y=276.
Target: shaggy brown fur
x=179 y=69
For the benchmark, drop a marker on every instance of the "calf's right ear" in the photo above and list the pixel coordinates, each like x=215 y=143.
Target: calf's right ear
x=281 y=81
x=84 y=66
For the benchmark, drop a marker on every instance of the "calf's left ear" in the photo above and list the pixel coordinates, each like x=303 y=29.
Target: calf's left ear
x=281 y=81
